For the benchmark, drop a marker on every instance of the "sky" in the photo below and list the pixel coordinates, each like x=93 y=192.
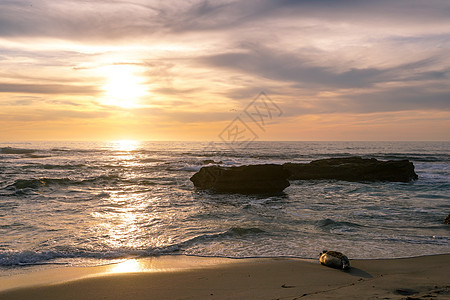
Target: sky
x=203 y=70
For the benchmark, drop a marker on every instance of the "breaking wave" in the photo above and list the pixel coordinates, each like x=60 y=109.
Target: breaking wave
x=22 y=258
x=45 y=182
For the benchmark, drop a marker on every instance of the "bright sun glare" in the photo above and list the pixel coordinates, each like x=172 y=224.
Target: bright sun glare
x=125 y=145
x=123 y=87
x=128 y=266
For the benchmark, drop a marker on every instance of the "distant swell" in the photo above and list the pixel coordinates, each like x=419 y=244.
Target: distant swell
x=77 y=150
x=43 y=182
x=232 y=232
x=9 y=150
x=55 y=167
x=329 y=224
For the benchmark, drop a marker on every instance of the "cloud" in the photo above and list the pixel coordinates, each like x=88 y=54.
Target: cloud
x=203 y=61
x=32 y=115
x=110 y=20
x=47 y=89
x=175 y=91
x=296 y=68
x=285 y=67
x=226 y=15
x=65 y=102
x=74 y=19
x=400 y=99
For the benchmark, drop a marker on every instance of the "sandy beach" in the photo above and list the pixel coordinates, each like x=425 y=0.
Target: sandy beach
x=183 y=277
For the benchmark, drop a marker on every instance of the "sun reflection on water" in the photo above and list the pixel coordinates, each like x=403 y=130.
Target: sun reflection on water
x=127 y=220
x=125 y=145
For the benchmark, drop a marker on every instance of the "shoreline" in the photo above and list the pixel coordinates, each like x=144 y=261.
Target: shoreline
x=192 y=277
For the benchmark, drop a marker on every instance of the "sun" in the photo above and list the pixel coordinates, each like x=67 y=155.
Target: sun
x=123 y=87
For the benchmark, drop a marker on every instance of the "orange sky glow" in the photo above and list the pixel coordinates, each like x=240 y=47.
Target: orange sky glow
x=183 y=70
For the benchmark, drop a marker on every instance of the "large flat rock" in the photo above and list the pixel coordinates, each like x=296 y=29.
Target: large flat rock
x=353 y=169
x=271 y=178
x=267 y=178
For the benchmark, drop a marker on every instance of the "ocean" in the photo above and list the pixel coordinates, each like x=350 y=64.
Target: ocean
x=89 y=203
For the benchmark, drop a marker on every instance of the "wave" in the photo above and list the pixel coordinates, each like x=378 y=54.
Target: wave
x=10 y=150
x=329 y=224
x=415 y=157
x=150 y=160
x=103 y=150
x=231 y=232
x=36 y=156
x=55 y=167
x=25 y=258
x=190 y=168
x=307 y=157
x=77 y=150
x=20 y=184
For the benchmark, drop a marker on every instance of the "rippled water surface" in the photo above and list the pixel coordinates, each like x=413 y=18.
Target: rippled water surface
x=87 y=203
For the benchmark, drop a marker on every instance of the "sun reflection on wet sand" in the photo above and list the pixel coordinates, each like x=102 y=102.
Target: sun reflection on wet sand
x=175 y=263
x=128 y=266
x=167 y=264
x=153 y=264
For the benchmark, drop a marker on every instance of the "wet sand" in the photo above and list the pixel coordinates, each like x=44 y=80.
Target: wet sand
x=184 y=277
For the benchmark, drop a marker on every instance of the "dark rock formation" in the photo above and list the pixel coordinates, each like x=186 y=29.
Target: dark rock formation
x=447 y=219
x=353 y=169
x=271 y=178
x=268 y=178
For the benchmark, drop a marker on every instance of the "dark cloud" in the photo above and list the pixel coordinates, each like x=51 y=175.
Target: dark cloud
x=83 y=20
x=390 y=13
x=249 y=93
x=399 y=99
x=75 y=19
x=217 y=15
x=382 y=101
x=293 y=67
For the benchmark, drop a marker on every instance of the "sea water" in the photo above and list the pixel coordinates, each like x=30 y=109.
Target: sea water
x=86 y=203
